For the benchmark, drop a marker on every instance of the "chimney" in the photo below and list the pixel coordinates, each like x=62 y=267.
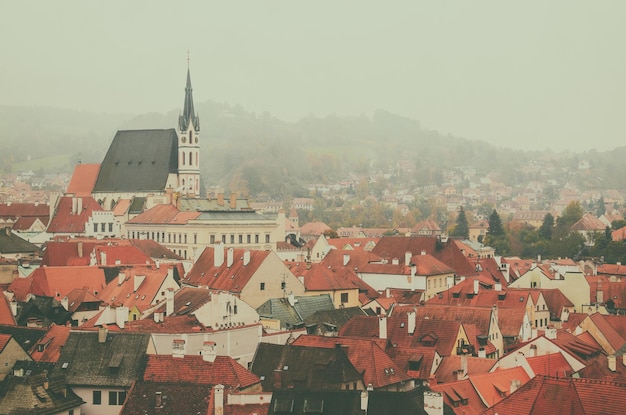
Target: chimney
x=121 y=316
x=346 y=259
x=612 y=360
x=229 y=257
x=476 y=284
x=65 y=303
x=599 y=294
x=137 y=282
x=218 y=255
x=169 y=302
x=411 y=322
x=464 y=364
x=120 y=278
x=158 y=316
x=74 y=205
x=178 y=347
x=157 y=263
x=433 y=403
x=219 y=399
x=533 y=350
x=395 y=261
x=382 y=327
x=291 y=299
x=364 y=401
x=80 y=249
x=514 y=385
x=539 y=259
x=482 y=353
x=551 y=333
x=158 y=400
x=233 y=200
x=102 y=334
x=208 y=352
x=103 y=258
x=14 y=308
x=498 y=286
x=220 y=199
x=407 y=257
x=79 y=205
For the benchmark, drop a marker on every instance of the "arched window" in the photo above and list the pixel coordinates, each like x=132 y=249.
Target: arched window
x=190 y=159
x=182 y=158
x=197 y=159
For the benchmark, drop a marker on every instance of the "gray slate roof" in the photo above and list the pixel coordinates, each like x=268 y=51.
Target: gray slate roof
x=293 y=316
x=138 y=160
x=119 y=361
x=13 y=244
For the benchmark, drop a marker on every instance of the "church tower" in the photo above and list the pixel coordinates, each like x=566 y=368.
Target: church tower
x=189 y=146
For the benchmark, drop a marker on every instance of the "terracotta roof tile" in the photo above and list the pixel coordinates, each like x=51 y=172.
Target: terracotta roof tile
x=553 y=364
x=194 y=369
x=314 y=228
x=48 y=348
x=450 y=364
x=67 y=221
x=134 y=287
x=4 y=340
x=57 y=282
x=494 y=386
x=461 y=397
x=83 y=179
x=164 y=214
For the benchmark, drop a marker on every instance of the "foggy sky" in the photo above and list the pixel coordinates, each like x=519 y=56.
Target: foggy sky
x=531 y=75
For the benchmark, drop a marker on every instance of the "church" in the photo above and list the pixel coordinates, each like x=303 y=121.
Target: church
x=143 y=163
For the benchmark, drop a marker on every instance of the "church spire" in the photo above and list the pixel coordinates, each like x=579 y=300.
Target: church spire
x=189 y=114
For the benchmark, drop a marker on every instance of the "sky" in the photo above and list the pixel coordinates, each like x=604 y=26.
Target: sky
x=529 y=75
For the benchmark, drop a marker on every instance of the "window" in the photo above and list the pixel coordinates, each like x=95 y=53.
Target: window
x=223 y=239
x=97 y=397
x=212 y=239
x=102 y=227
x=248 y=238
x=110 y=227
x=95 y=227
x=262 y=286
x=256 y=239
x=195 y=238
x=344 y=298
x=283 y=285
x=232 y=239
x=190 y=156
x=267 y=238
x=240 y=239
x=117 y=397
x=185 y=238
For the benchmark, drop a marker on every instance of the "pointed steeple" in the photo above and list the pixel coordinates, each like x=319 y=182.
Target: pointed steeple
x=189 y=114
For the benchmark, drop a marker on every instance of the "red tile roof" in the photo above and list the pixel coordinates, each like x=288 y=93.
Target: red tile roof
x=67 y=221
x=194 y=369
x=357 y=244
x=366 y=355
x=48 y=348
x=314 y=228
x=83 y=179
x=544 y=395
x=233 y=278
x=588 y=223
x=613 y=289
x=121 y=291
x=21 y=210
x=57 y=282
x=553 y=364
x=493 y=387
x=4 y=340
x=450 y=364
x=448 y=252
x=461 y=397
x=611 y=269
x=6 y=316
x=121 y=255
x=608 y=330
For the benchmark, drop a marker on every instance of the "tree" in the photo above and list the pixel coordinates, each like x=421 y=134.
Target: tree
x=545 y=230
x=600 y=209
x=495 y=225
x=461 y=229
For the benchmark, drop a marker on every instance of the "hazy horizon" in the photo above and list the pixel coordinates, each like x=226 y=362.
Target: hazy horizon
x=530 y=75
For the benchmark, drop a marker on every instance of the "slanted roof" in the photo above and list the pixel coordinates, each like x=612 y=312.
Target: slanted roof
x=461 y=397
x=333 y=320
x=302 y=367
x=569 y=395
x=233 y=278
x=48 y=348
x=176 y=398
x=552 y=364
x=83 y=179
x=194 y=369
x=164 y=214
x=115 y=362
x=494 y=386
x=25 y=336
x=293 y=315
x=138 y=161
x=67 y=220
x=450 y=364
x=367 y=356
x=57 y=282
x=11 y=243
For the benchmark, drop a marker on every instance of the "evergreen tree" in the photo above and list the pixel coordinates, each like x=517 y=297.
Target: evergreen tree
x=545 y=231
x=495 y=225
x=461 y=229
x=600 y=209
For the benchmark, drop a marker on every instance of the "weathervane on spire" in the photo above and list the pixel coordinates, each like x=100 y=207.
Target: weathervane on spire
x=187 y=58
